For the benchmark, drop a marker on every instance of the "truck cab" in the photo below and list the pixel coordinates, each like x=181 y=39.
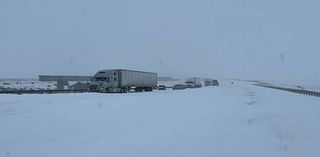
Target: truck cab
x=193 y=83
x=105 y=81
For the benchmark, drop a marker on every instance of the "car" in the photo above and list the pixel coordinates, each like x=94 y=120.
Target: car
x=162 y=87
x=179 y=87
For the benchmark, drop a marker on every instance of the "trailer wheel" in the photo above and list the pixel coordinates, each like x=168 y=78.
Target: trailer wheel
x=124 y=90
x=138 y=89
x=106 y=90
x=148 y=89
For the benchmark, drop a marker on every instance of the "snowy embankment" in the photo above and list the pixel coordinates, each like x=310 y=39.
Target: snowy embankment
x=312 y=85
x=230 y=120
x=26 y=84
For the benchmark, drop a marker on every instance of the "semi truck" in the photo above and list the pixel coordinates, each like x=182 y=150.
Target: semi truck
x=193 y=83
x=123 y=80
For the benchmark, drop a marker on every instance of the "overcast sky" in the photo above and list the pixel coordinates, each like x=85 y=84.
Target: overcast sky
x=248 y=39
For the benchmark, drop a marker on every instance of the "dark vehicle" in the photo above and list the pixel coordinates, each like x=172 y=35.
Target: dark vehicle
x=210 y=82
x=162 y=87
x=179 y=87
x=215 y=83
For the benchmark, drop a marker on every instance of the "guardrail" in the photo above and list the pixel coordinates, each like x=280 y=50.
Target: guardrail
x=299 y=91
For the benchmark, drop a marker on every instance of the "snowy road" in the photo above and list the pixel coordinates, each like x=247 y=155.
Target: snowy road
x=231 y=120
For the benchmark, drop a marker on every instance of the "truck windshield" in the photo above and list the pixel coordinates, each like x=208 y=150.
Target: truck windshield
x=107 y=79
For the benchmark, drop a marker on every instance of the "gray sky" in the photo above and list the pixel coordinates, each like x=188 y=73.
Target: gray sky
x=249 y=39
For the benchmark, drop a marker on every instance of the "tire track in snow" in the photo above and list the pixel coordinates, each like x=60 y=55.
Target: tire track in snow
x=277 y=133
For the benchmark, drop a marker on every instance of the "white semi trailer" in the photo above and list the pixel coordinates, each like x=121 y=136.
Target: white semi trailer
x=122 y=80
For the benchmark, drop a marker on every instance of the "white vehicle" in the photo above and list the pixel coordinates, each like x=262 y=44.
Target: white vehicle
x=193 y=83
x=121 y=80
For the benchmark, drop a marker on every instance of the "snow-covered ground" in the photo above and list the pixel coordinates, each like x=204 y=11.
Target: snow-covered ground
x=229 y=120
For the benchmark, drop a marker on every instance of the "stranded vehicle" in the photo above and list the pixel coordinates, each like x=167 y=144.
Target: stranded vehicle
x=179 y=87
x=162 y=87
x=193 y=83
x=210 y=82
x=122 y=81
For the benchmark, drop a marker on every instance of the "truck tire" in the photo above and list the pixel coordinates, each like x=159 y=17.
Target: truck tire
x=148 y=89
x=106 y=90
x=138 y=89
x=124 y=90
